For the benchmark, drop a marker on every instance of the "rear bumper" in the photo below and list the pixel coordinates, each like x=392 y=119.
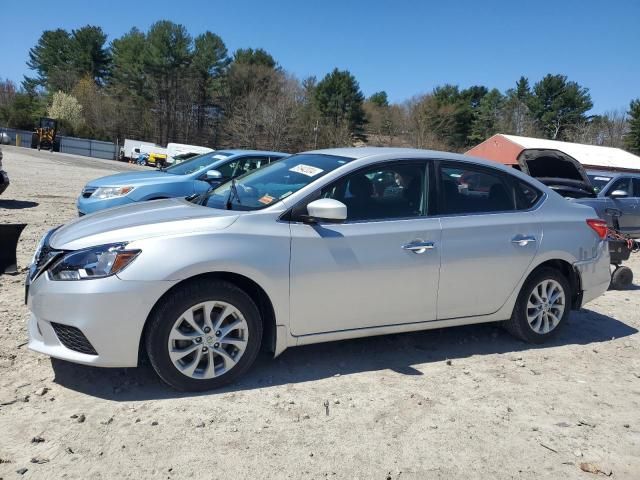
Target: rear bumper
x=595 y=273
x=4 y=181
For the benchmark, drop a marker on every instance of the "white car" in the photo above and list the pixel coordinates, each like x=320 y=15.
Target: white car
x=319 y=246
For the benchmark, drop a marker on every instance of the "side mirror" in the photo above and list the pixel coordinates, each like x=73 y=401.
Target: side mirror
x=213 y=175
x=619 y=194
x=326 y=210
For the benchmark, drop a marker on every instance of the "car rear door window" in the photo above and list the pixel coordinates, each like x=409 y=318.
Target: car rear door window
x=384 y=192
x=469 y=189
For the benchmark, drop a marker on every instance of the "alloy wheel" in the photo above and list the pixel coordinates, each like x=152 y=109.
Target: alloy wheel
x=546 y=306
x=208 y=340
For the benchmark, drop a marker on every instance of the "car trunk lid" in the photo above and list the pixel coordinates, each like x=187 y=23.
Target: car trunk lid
x=558 y=171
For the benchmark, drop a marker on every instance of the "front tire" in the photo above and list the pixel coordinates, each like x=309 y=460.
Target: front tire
x=542 y=307
x=203 y=335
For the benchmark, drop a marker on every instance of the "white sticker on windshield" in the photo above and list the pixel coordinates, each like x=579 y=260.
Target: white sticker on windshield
x=604 y=179
x=219 y=157
x=307 y=170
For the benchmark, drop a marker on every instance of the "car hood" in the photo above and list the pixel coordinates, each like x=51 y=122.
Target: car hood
x=138 y=221
x=555 y=169
x=133 y=179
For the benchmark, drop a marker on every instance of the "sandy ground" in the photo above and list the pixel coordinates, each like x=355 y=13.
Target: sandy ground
x=467 y=402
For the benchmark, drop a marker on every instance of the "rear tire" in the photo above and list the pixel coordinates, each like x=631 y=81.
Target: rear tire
x=215 y=323
x=542 y=307
x=621 y=278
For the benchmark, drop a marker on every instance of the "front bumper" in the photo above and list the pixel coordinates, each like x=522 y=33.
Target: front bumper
x=4 y=181
x=110 y=313
x=90 y=205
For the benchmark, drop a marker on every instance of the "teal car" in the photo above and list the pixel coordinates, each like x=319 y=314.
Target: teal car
x=191 y=177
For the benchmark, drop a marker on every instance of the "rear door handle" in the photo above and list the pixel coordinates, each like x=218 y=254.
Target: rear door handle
x=419 y=246
x=523 y=240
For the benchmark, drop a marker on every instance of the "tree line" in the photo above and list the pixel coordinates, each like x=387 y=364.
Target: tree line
x=166 y=85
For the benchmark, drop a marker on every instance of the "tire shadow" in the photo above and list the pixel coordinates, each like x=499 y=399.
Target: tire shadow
x=398 y=353
x=17 y=204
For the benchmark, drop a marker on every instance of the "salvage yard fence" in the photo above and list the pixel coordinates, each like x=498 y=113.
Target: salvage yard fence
x=76 y=146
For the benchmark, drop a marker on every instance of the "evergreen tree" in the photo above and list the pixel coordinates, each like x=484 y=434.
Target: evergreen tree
x=632 y=138
x=339 y=101
x=379 y=99
x=89 y=57
x=487 y=116
x=50 y=58
x=559 y=106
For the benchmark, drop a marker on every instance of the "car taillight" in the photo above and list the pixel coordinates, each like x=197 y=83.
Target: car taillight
x=599 y=226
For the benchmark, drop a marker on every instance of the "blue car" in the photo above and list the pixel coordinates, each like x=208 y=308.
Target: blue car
x=193 y=176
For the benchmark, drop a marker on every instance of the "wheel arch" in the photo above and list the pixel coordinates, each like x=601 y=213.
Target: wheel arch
x=252 y=288
x=567 y=270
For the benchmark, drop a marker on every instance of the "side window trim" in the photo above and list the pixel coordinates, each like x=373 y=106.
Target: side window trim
x=291 y=214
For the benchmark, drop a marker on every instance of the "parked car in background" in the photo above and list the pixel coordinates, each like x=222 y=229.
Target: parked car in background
x=613 y=195
x=319 y=246
x=619 y=198
x=193 y=176
x=4 y=178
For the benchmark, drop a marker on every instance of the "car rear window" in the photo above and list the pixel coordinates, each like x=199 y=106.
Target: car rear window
x=526 y=195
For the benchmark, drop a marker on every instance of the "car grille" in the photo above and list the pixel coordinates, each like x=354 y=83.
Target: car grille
x=73 y=339
x=88 y=191
x=44 y=257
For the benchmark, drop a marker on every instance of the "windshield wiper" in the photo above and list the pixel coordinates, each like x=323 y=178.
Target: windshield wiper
x=233 y=193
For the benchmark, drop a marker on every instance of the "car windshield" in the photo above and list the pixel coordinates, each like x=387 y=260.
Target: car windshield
x=268 y=185
x=198 y=163
x=599 y=181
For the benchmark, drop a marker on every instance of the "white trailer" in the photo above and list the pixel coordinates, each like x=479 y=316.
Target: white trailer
x=131 y=148
x=174 y=149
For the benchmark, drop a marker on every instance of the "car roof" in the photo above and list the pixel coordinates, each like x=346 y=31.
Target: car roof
x=358 y=153
x=234 y=152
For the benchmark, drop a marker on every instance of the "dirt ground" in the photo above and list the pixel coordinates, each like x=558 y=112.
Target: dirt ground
x=467 y=402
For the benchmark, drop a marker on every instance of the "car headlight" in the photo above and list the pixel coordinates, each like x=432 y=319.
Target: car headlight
x=91 y=263
x=111 y=192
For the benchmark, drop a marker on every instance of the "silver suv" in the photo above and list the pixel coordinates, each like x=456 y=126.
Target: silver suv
x=324 y=245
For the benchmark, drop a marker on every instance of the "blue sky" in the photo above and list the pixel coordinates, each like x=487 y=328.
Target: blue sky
x=403 y=47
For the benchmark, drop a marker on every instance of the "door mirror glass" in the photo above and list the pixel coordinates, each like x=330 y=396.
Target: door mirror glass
x=213 y=175
x=327 y=210
x=619 y=194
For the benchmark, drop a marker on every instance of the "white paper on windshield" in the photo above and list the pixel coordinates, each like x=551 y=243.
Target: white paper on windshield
x=219 y=157
x=604 y=179
x=307 y=170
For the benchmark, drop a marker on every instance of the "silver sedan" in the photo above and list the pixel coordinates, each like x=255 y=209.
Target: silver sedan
x=323 y=245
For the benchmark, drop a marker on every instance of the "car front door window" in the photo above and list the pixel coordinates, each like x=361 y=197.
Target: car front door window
x=386 y=192
x=623 y=184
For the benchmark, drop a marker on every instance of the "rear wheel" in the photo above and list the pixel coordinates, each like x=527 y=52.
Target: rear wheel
x=621 y=278
x=204 y=335
x=543 y=305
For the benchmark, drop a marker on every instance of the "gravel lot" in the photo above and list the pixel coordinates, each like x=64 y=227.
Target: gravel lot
x=467 y=402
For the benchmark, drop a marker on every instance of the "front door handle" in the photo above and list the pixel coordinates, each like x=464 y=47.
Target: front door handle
x=523 y=240
x=419 y=246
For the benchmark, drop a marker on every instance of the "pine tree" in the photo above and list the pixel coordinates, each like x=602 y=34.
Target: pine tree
x=632 y=138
